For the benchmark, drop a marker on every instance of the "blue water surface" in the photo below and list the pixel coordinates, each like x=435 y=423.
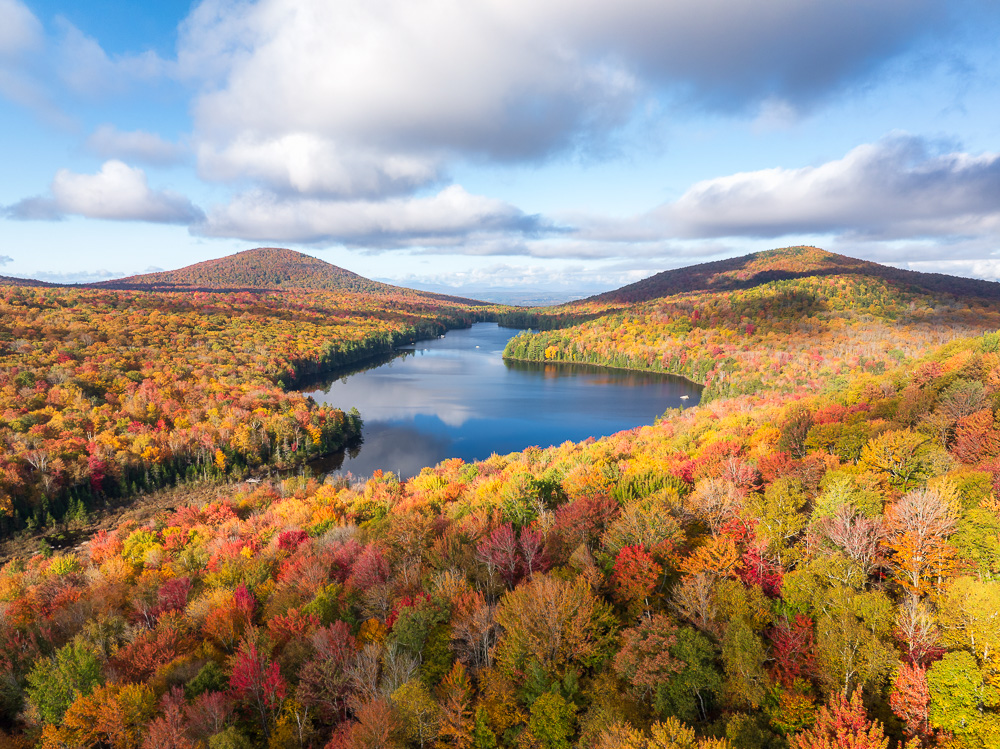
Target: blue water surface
x=455 y=396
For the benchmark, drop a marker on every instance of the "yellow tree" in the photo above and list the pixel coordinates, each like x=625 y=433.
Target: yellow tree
x=919 y=524
x=896 y=458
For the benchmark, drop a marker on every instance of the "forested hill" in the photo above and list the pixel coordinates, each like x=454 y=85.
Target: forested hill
x=12 y=281
x=271 y=268
x=794 y=320
x=786 y=263
x=260 y=268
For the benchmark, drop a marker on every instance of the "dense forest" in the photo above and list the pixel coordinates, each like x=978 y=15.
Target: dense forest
x=108 y=393
x=813 y=573
x=810 y=564
x=792 y=320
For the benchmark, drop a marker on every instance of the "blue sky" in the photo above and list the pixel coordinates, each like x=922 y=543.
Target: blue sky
x=468 y=143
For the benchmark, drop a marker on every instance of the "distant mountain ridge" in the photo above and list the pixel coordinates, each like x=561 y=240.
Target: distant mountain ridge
x=786 y=263
x=14 y=281
x=260 y=268
x=795 y=320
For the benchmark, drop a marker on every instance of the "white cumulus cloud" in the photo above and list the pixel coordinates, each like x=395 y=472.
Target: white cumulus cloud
x=310 y=164
x=897 y=187
x=118 y=192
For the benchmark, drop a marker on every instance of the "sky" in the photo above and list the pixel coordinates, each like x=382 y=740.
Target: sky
x=561 y=145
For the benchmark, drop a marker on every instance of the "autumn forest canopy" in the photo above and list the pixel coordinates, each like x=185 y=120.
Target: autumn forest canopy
x=809 y=559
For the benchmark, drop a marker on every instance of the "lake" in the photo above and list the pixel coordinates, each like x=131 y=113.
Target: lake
x=455 y=397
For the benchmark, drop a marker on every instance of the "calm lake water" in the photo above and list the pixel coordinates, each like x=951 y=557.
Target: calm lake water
x=455 y=397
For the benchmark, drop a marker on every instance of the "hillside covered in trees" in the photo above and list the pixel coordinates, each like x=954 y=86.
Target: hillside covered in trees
x=811 y=563
x=268 y=268
x=795 y=320
x=802 y=573
x=787 y=264
x=107 y=393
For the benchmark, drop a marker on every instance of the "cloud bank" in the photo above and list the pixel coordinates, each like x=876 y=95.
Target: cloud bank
x=450 y=216
x=356 y=99
x=898 y=187
x=340 y=123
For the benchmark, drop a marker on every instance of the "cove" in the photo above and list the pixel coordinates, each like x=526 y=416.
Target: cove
x=455 y=397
